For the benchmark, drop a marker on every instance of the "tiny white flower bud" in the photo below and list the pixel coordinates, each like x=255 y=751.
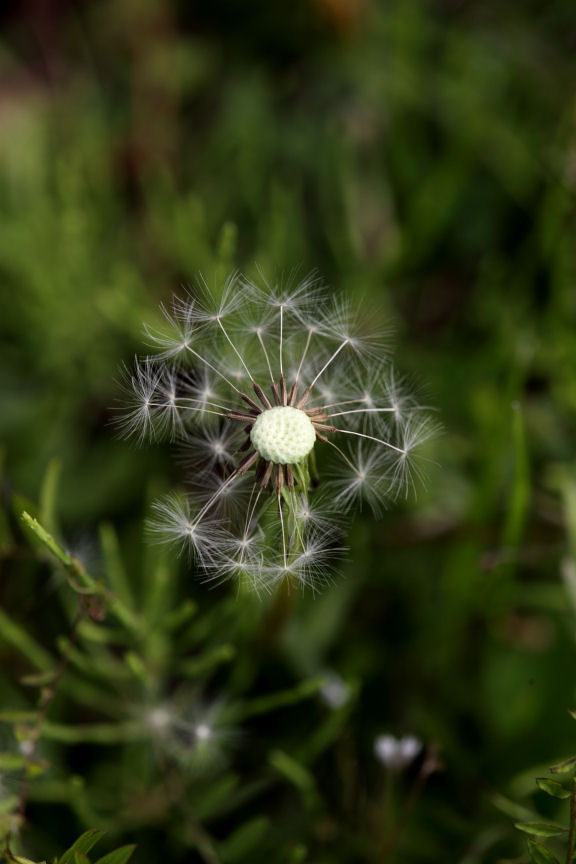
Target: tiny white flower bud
x=397 y=753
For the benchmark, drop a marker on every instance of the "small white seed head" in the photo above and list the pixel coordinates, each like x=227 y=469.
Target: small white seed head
x=283 y=435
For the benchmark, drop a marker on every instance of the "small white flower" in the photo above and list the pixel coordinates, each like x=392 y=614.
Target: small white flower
x=289 y=415
x=397 y=753
x=335 y=692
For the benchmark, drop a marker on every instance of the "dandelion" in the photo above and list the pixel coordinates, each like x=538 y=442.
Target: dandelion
x=263 y=385
x=191 y=732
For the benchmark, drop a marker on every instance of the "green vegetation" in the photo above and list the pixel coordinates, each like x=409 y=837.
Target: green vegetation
x=420 y=155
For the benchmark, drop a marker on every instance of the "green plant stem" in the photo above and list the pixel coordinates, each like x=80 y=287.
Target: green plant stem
x=73 y=567
x=429 y=765
x=46 y=699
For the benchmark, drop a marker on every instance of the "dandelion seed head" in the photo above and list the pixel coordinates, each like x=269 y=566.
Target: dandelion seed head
x=290 y=418
x=283 y=435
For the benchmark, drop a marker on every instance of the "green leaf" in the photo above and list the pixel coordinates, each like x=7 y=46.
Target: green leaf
x=76 y=576
x=83 y=845
x=19 y=716
x=15 y=635
x=244 y=841
x=262 y=705
x=119 y=856
x=215 y=797
x=540 y=829
x=96 y=733
x=81 y=858
x=39 y=679
x=47 y=509
x=519 y=495
x=195 y=666
x=46 y=539
x=12 y=761
x=297 y=774
x=17 y=859
x=115 y=569
x=179 y=616
x=539 y=854
x=566 y=767
x=552 y=787
x=136 y=666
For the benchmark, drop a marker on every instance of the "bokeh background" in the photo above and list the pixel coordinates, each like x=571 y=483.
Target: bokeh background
x=421 y=155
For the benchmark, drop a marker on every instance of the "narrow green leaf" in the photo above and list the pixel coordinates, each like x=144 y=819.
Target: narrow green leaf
x=17 y=859
x=179 y=616
x=115 y=569
x=47 y=509
x=246 y=840
x=540 y=829
x=540 y=855
x=119 y=856
x=136 y=666
x=40 y=679
x=552 y=787
x=19 y=716
x=215 y=797
x=328 y=731
x=37 y=768
x=158 y=589
x=81 y=858
x=195 y=666
x=297 y=774
x=77 y=577
x=46 y=539
x=12 y=761
x=566 y=767
x=518 y=503
x=279 y=700
x=15 y=635
x=83 y=844
x=97 y=733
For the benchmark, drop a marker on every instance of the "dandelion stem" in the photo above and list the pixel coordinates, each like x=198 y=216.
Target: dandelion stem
x=282 y=527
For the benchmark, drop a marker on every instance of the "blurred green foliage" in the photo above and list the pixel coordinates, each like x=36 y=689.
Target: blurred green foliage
x=421 y=155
